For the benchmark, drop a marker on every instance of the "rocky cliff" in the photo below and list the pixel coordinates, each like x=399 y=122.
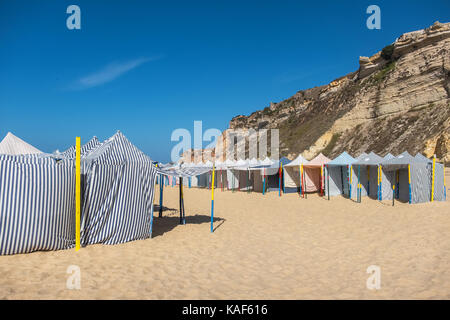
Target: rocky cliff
x=398 y=100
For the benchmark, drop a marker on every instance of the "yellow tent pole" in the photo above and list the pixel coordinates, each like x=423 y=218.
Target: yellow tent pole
x=321 y=180
x=77 y=193
x=381 y=174
x=432 y=181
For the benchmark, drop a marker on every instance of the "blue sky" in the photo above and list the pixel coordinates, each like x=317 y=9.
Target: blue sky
x=149 y=67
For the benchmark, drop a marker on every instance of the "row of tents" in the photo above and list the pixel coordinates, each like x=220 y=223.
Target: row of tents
x=37 y=190
x=37 y=195
x=413 y=179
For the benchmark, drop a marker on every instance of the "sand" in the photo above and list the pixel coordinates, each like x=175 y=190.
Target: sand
x=264 y=247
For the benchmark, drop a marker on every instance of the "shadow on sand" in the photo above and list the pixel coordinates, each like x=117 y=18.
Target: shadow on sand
x=171 y=219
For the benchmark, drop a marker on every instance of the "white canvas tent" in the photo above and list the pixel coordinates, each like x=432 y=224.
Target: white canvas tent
x=12 y=145
x=292 y=179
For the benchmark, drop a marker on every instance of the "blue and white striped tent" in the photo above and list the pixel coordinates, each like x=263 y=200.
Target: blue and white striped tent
x=396 y=172
x=118 y=199
x=337 y=171
x=37 y=204
x=84 y=150
x=365 y=172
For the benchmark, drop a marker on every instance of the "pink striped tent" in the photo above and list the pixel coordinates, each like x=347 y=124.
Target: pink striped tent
x=314 y=173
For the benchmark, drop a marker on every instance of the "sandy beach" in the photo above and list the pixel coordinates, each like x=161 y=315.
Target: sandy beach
x=264 y=247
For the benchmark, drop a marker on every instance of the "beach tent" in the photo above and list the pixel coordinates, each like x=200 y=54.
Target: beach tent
x=259 y=174
x=118 y=200
x=261 y=171
x=232 y=175
x=274 y=182
x=13 y=145
x=365 y=174
x=292 y=175
x=410 y=178
x=385 y=180
x=37 y=204
x=84 y=149
x=221 y=177
x=314 y=173
x=241 y=170
x=337 y=180
x=247 y=174
x=439 y=192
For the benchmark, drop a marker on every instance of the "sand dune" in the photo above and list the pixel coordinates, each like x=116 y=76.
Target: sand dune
x=266 y=247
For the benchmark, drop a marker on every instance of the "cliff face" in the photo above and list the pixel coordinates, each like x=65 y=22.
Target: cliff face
x=398 y=100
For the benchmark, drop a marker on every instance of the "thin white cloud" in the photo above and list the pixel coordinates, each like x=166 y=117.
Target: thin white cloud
x=110 y=73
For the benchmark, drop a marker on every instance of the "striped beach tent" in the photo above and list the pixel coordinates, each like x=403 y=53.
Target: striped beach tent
x=118 y=200
x=37 y=204
x=410 y=178
x=337 y=179
x=365 y=173
x=84 y=150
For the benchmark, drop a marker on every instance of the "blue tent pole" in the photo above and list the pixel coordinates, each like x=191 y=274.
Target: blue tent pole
x=161 y=191
x=212 y=200
x=349 y=168
x=151 y=220
x=300 y=179
x=378 y=182
x=264 y=182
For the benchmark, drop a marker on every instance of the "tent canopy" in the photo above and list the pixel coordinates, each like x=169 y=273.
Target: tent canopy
x=13 y=145
x=388 y=157
x=343 y=159
x=85 y=149
x=318 y=161
x=403 y=159
x=297 y=162
x=116 y=150
x=372 y=159
x=361 y=156
x=421 y=158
